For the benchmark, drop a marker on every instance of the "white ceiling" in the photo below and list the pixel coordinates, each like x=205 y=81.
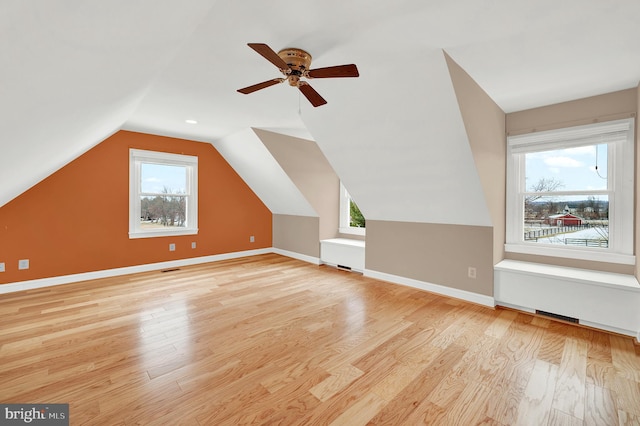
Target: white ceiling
x=73 y=72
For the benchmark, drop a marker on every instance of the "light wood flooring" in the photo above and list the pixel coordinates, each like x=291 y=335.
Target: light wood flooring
x=272 y=340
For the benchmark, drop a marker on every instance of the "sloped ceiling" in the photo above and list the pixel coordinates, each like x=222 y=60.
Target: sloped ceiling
x=75 y=71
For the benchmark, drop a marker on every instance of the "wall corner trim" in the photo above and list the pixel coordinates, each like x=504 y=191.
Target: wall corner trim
x=468 y=296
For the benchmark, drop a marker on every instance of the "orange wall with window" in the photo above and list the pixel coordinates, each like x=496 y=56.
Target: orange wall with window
x=77 y=219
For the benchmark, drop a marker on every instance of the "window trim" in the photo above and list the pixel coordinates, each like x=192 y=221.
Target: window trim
x=619 y=136
x=139 y=156
x=345 y=215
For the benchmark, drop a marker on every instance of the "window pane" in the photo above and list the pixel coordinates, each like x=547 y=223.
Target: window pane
x=356 y=219
x=163 y=179
x=571 y=169
x=162 y=212
x=568 y=220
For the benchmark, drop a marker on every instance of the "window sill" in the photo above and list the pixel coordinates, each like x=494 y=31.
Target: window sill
x=163 y=233
x=353 y=231
x=592 y=255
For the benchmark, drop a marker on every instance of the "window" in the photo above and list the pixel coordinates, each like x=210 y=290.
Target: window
x=351 y=219
x=163 y=191
x=570 y=192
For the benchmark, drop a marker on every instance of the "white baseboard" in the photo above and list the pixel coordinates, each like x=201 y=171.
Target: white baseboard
x=294 y=255
x=67 y=279
x=631 y=333
x=468 y=296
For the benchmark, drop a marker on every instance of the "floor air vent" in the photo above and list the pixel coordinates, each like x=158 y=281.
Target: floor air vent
x=344 y=268
x=170 y=270
x=557 y=316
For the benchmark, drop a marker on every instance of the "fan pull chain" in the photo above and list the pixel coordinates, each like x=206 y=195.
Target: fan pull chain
x=596 y=168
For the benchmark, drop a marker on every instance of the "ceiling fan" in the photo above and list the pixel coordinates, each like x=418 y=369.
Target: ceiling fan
x=294 y=64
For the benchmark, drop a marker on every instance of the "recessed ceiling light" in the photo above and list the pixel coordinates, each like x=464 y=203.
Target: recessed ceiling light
x=191 y=121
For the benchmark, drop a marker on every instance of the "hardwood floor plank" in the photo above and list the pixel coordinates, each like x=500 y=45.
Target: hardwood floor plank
x=393 y=383
x=415 y=395
x=600 y=406
x=627 y=394
x=361 y=412
x=471 y=407
x=570 y=387
x=336 y=382
x=449 y=389
x=599 y=347
x=483 y=360
x=366 y=343
x=559 y=418
x=273 y=340
x=627 y=419
x=519 y=348
x=535 y=406
x=286 y=406
x=426 y=413
x=501 y=324
x=553 y=343
x=624 y=357
x=600 y=373
x=356 y=390
x=389 y=349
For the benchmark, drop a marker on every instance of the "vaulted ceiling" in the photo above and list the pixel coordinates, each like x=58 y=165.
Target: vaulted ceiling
x=73 y=72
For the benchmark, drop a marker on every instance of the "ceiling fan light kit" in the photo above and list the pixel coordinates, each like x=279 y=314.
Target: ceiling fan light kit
x=295 y=65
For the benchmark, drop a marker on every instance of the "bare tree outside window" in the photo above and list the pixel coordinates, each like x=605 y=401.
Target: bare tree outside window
x=163 y=210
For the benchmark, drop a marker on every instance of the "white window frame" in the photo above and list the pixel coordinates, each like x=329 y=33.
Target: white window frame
x=345 y=214
x=619 y=136
x=136 y=158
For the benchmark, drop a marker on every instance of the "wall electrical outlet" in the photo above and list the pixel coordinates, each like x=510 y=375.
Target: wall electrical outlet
x=252 y=239
x=471 y=272
x=1 y=266
x=172 y=247
x=23 y=264
x=193 y=245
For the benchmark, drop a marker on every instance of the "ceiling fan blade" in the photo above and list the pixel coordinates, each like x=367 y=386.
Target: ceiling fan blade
x=259 y=86
x=310 y=93
x=269 y=55
x=337 y=71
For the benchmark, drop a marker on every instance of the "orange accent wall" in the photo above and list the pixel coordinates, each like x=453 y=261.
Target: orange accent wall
x=77 y=219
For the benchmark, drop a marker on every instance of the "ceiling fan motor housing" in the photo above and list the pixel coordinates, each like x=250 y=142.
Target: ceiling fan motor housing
x=299 y=62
